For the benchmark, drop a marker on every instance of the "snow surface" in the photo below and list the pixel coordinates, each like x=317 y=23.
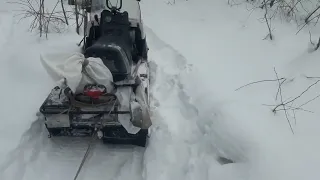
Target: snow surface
x=200 y=52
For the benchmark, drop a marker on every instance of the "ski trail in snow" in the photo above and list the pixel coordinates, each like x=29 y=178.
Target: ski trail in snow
x=27 y=151
x=174 y=124
x=38 y=157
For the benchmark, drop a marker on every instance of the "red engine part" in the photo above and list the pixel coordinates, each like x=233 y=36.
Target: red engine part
x=94 y=91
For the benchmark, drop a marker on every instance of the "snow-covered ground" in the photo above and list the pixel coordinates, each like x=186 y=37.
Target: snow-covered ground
x=200 y=52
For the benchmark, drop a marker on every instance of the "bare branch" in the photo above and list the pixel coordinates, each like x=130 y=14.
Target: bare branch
x=258 y=82
x=49 y=18
x=318 y=45
x=64 y=12
x=297 y=96
x=311 y=38
x=311 y=77
x=284 y=107
x=279 y=88
x=265 y=17
x=288 y=104
x=77 y=18
x=309 y=101
x=310 y=14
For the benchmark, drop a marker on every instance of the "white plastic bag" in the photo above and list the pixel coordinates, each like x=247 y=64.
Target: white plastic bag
x=70 y=67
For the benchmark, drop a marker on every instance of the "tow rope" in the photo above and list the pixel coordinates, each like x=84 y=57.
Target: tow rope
x=94 y=136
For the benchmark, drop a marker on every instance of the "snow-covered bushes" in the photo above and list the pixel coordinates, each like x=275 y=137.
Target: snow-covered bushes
x=45 y=16
x=305 y=13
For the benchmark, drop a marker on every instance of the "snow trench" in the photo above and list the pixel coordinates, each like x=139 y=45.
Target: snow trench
x=189 y=138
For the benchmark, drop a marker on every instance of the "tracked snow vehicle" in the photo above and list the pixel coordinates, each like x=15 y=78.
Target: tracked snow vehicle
x=109 y=94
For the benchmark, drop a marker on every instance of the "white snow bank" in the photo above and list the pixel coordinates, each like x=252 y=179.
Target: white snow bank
x=23 y=83
x=224 y=47
x=189 y=132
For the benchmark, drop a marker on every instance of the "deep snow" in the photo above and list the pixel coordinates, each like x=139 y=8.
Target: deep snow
x=200 y=52
x=225 y=47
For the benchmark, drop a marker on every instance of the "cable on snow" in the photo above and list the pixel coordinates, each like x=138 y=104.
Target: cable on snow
x=94 y=136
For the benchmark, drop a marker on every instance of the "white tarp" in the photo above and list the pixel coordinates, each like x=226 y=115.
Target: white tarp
x=69 y=67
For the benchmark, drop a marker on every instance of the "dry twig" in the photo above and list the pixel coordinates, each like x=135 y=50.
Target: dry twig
x=282 y=103
x=272 y=80
x=284 y=107
x=287 y=104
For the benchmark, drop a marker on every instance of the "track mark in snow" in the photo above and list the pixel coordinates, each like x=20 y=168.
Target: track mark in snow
x=38 y=157
x=179 y=147
x=26 y=153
